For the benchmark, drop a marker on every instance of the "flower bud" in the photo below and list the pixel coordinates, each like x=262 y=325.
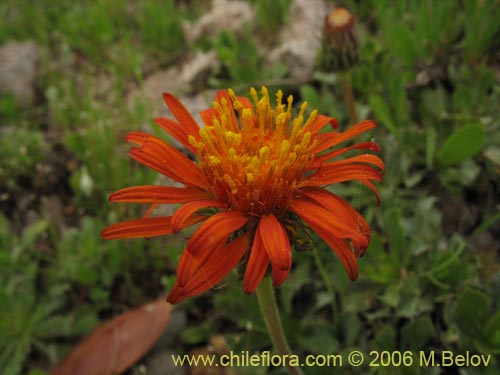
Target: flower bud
x=340 y=48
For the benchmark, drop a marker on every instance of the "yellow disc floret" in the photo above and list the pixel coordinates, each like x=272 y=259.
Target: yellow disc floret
x=256 y=161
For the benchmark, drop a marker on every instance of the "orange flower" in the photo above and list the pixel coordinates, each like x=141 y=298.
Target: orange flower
x=259 y=171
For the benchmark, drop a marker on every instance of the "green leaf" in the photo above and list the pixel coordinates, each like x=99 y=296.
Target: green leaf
x=417 y=333
x=434 y=103
x=382 y=112
x=399 y=98
x=385 y=339
x=53 y=327
x=38 y=372
x=397 y=240
x=473 y=309
x=402 y=43
x=196 y=334
x=464 y=175
x=84 y=320
x=310 y=95
x=31 y=233
x=462 y=144
x=492 y=332
x=383 y=268
x=430 y=150
x=319 y=340
x=85 y=275
x=446 y=268
x=351 y=326
x=487 y=223
x=295 y=281
x=392 y=296
x=410 y=298
x=12 y=357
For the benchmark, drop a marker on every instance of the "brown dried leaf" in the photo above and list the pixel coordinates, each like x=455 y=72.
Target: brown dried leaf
x=119 y=343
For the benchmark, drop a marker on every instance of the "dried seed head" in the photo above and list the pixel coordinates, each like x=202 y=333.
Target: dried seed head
x=340 y=48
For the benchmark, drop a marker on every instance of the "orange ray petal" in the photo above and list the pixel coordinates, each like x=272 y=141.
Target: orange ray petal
x=343 y=251
x=245 y=102
x=215 y=268
x=366 y=158
x=145 y=227
x=175 y=295
x=140 y=138
x=181 y=114
x=333 y=139
x=157 y=164
x=341 y=173
x=373 y=188
x=187 y=266
x=320 y=159
x=318 y=216
x=158 y=194
x=170 y=162
x=257 y=265
x=215 y=230
x=177 y=131
x=321 y=121
x=279 y=276
x=343 y=210
x=150 y=210
x=189 y=209
x=208 y=116
x=159 y=147
x=275 y=241
x=223 y=94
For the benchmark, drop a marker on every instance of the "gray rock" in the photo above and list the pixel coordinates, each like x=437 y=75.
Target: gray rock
x=150 y=93
x=176 y=324
x=300 y=40
x=224 y=15
x=19 y=66
x=196 y=71
x=160 y=363
x=179 y=81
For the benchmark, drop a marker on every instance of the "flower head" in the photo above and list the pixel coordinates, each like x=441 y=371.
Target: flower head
x=259 y=170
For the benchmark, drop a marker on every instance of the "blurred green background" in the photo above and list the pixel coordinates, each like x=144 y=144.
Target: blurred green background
x=428 y=73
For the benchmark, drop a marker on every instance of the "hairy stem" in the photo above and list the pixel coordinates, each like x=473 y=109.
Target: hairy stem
x=267 y=302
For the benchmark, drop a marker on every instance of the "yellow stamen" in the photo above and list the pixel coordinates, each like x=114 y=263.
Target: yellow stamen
x=256 y=163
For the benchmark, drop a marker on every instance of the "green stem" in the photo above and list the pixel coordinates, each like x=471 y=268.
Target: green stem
x=328 y=285
x=267 y=302
x=349 y=97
